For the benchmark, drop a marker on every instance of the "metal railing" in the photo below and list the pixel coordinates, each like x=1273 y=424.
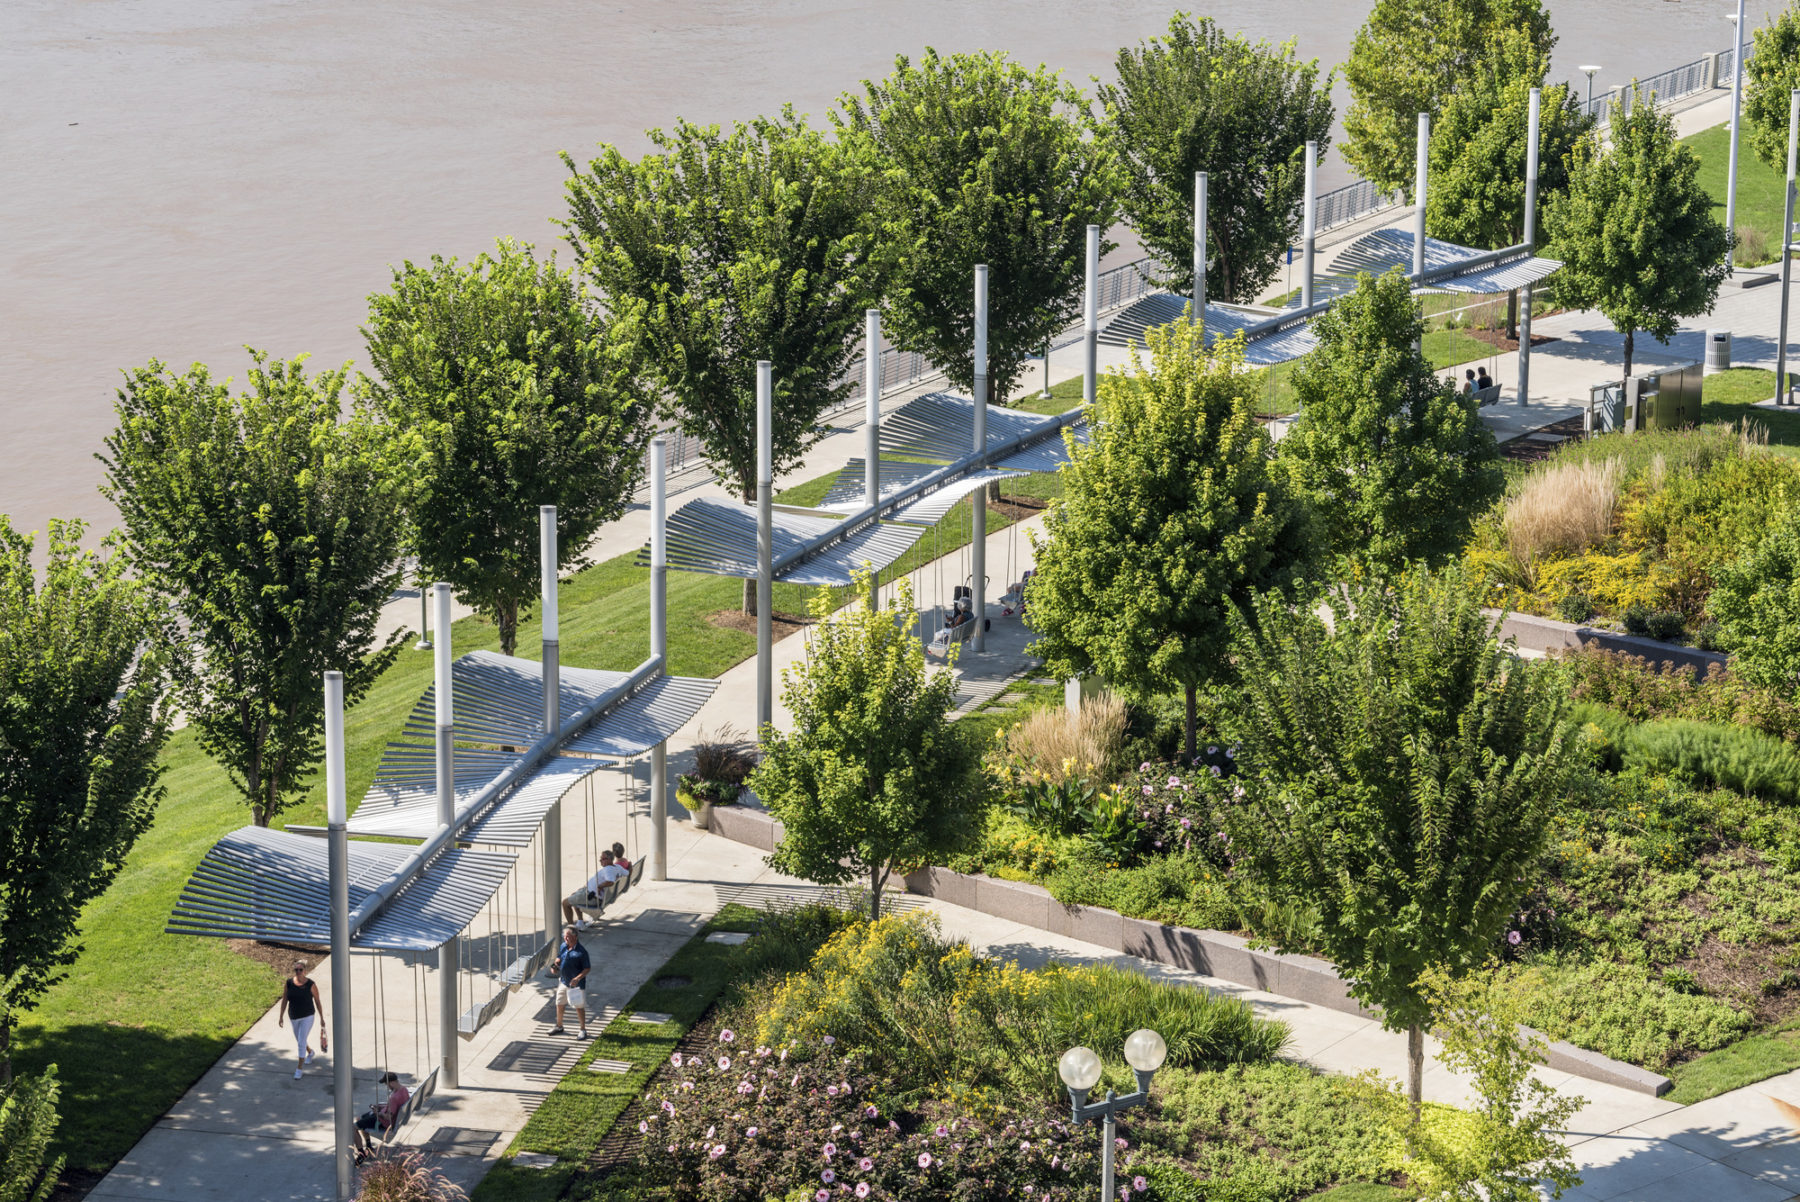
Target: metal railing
x=1702 y=75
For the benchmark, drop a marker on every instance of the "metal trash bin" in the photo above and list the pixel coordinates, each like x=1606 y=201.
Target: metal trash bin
x=1718 y=351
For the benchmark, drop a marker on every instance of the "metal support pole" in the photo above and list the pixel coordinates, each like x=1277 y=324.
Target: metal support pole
x=1421 y=177
x=1046 y=393
x=1737 y=112
x=1787 y=238
x=552 y=874
x=1090 y=329
x=424 y=643
x=659 y=647
x=444 y=695
x=1531 y=183
x=1108 y=1133
x=978 y=501
x=872 y=426
x=1309 y=225
x=337 y=853
x=1200 y=246
x=765 y=543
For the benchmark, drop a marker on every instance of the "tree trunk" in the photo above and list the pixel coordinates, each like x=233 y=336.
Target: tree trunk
x=5 y=1050
x=506 y=618
x=1189 y=734
x=750 y=595
x=877 y=879
x=1630 y=337
x=1512 y=314
x=258 y=815
x=1415 y=1071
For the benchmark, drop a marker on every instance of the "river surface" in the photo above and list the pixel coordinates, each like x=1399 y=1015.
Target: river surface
x=179 y=179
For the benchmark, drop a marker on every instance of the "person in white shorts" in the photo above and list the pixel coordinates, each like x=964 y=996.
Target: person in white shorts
x=589 y=893
x=301 y=1002
x=572 y=966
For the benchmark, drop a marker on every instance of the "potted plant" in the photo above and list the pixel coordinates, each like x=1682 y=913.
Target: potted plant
x=721 y=762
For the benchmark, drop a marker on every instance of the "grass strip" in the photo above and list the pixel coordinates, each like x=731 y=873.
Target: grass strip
x=1749 y=1060
x=1761 y=190
x=580 y=1112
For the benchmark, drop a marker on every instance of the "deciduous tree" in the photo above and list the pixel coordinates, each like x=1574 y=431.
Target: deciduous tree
x=742 y=245
x=981 y=161
x=82 y=721
x=1407 y=59
x=1399 y=768
x=1479 y=144
x=1635 y=230
x=874 y=775
x=1395 y=462
x=1200 y=99
x=1756 y=601
x=503 y=391
x=27 y=1122
x=1170 y=517
x=270 y=527
x=1774 y=74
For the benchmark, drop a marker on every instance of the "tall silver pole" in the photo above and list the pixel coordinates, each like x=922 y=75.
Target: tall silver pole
x=872 y=425
x=1090 y=329
x=1309 y=225
x=1737 y=102
x=1421 y=176
x=1107 y=1135
x=765 y=543
x=338 y=868
x=449 y=968
x=1200 y=246
x=1787 y=238
x=659 y=647
x=978 y=500
x=1531 y=183
x=552 y=874
x=424 y=643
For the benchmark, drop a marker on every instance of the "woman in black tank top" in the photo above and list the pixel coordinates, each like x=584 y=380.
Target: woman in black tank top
x=300 y=1001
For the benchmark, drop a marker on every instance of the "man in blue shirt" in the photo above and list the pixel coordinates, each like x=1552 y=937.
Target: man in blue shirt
x=572 y=966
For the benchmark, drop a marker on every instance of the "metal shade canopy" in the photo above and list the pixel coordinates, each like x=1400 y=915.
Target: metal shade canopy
x=849 y=492
x=258 y=883
x=941 y=425
x=1380 y=251
x=1270 y=336
x=1500 y=277
x=719 y=537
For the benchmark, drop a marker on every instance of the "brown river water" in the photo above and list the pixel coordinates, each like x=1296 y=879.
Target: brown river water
x=180 y=179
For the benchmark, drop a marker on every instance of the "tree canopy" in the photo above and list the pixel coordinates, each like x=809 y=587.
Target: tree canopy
x=502 y=391
x=82 y=723
x=980 y=160
x=1756 y=601
x=1200 y=99
x=270 y=528
x=1635 y=230
x=874 y=774
x=1408 y=58
x=742 y=245
x=1399 y=767
x=28 y=1120
x=1170 y=518
x=1774 y=74
x=1393 y=459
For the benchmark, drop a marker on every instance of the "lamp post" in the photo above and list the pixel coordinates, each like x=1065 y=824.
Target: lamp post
x=1079 y=1069
x=1589 y=70
x=424 y=643
x=1737 y=95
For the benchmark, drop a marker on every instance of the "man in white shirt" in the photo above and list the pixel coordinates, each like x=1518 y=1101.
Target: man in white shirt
x=589 y=894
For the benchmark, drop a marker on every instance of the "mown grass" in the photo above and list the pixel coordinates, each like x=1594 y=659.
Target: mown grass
x=1761 y=190
x=1731 y=396
x=1745 y=1062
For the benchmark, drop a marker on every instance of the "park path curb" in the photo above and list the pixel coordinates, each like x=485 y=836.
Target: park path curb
x=1547 y=634
x=1217 y=954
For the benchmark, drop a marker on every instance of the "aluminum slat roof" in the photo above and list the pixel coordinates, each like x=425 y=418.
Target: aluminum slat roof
x=846 y=492
x=652 y=715
x=500 y=698
x=941 y=425
x=1502 y=277
x=258 y=883
x=719 y=537
x=1046 y=456
x=1380 y=251
x=931 y=508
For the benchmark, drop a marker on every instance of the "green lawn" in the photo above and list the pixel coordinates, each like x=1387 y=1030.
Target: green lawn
x=1743 y=1063
x=1761 y=189
x=143 y=1014
x=1731 y=396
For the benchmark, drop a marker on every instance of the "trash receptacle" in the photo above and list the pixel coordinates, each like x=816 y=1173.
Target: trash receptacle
x=1718 y=351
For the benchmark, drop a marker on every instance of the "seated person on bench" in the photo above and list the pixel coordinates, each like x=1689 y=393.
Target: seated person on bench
x=960 y=616
x=589 y=894
x=380 y=1118
x=619 y=859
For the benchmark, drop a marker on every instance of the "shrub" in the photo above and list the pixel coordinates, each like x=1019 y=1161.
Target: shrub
x=734 y=1123
x=1642 y=691
x=1566 y=508
x=1665 y=624
x=1618 y=1011
x=787 y=937
x=934 y=1018
x=1756 y=602
x=1574 y=607
x=1636 y=619
x=1753 y=247
x=1732 y=757
x=1056 y=744
x=28 y=1122
x=722 y=761
x=404 y=1175
x=1181 y=887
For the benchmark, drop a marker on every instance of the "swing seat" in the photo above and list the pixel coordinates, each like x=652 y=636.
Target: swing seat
x=481 y=1014
x=1486 y=396
x=414 y=1104
x=525 y=967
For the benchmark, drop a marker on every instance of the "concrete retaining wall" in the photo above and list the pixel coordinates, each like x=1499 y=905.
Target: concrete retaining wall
x=1547 y=634
x=1217 y=954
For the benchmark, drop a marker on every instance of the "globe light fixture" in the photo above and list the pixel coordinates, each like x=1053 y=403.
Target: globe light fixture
x=1080 y=1070
x=1590 y=71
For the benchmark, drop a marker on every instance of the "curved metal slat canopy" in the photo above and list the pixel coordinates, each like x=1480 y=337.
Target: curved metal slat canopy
x=652 y=715
x=941 y=425
x=719 y=538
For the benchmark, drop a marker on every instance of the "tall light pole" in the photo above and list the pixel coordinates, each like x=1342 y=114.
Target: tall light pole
x=424 y=643
x=1080 y=1069
x=1737 y=100
x=1589 y=70
x=1787 y=239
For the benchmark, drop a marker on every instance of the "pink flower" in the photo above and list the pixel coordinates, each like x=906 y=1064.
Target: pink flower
x=1144 y=767
x=724 y=1063
x=1138 y=1183
x=942 y=1131
x=1186 y=823
x=924 y=1160
x=1513 y=937
x=643 y=1127
x=726 y=1036
x=1217 y=771
x=828 y=1176
x=831 y=1091
x=746 y=1087
x=829 y=1040
x=1174 y=782
x=870 y=1112
x=687 y=1087
x=862 y=1189
x=750 y=1133
x=893 y=1126
x=830 y=1150
x=675 y=1060
x=865 y=1164
x=1124 y=1193
x=1146 y=814
x=783 y=1055
x=823 y=1195
x=1024 y=1145
x=718 y=1150
x=1169 y=809
x=1148 y=790
x=1120 y=1143
x=668 y=1106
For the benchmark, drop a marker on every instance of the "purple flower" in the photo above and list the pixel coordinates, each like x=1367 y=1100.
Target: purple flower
x=828 y=1176
x=668 y=1106
x=924 y=1160
x=865 y=1164
x=1513 y=937
x=1124 y=1193
x=862 y=1189
x=830 y=1150
x=870 y=1112
x=726 y=1036
x=675 y=1060
x=1186 y=823
x=1138 y=1183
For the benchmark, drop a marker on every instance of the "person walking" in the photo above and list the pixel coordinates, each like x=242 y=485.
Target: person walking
x=572 y=964
x=300 y=1001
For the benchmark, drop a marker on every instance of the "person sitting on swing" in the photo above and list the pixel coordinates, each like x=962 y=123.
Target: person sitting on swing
x=1484 y=381
x=380 y=1117
x=958 y=616
x=589 y=894
x=619 y=860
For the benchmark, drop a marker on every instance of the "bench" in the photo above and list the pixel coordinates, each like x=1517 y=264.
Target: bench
x=481 y=1014
x=525 y=967
x=1486 y=396
x=415 y=1103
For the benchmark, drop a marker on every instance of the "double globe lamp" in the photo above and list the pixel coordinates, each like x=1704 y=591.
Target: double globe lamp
x=1080 y=1070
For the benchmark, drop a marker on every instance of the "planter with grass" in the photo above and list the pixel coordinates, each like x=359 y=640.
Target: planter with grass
x=721 y=762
